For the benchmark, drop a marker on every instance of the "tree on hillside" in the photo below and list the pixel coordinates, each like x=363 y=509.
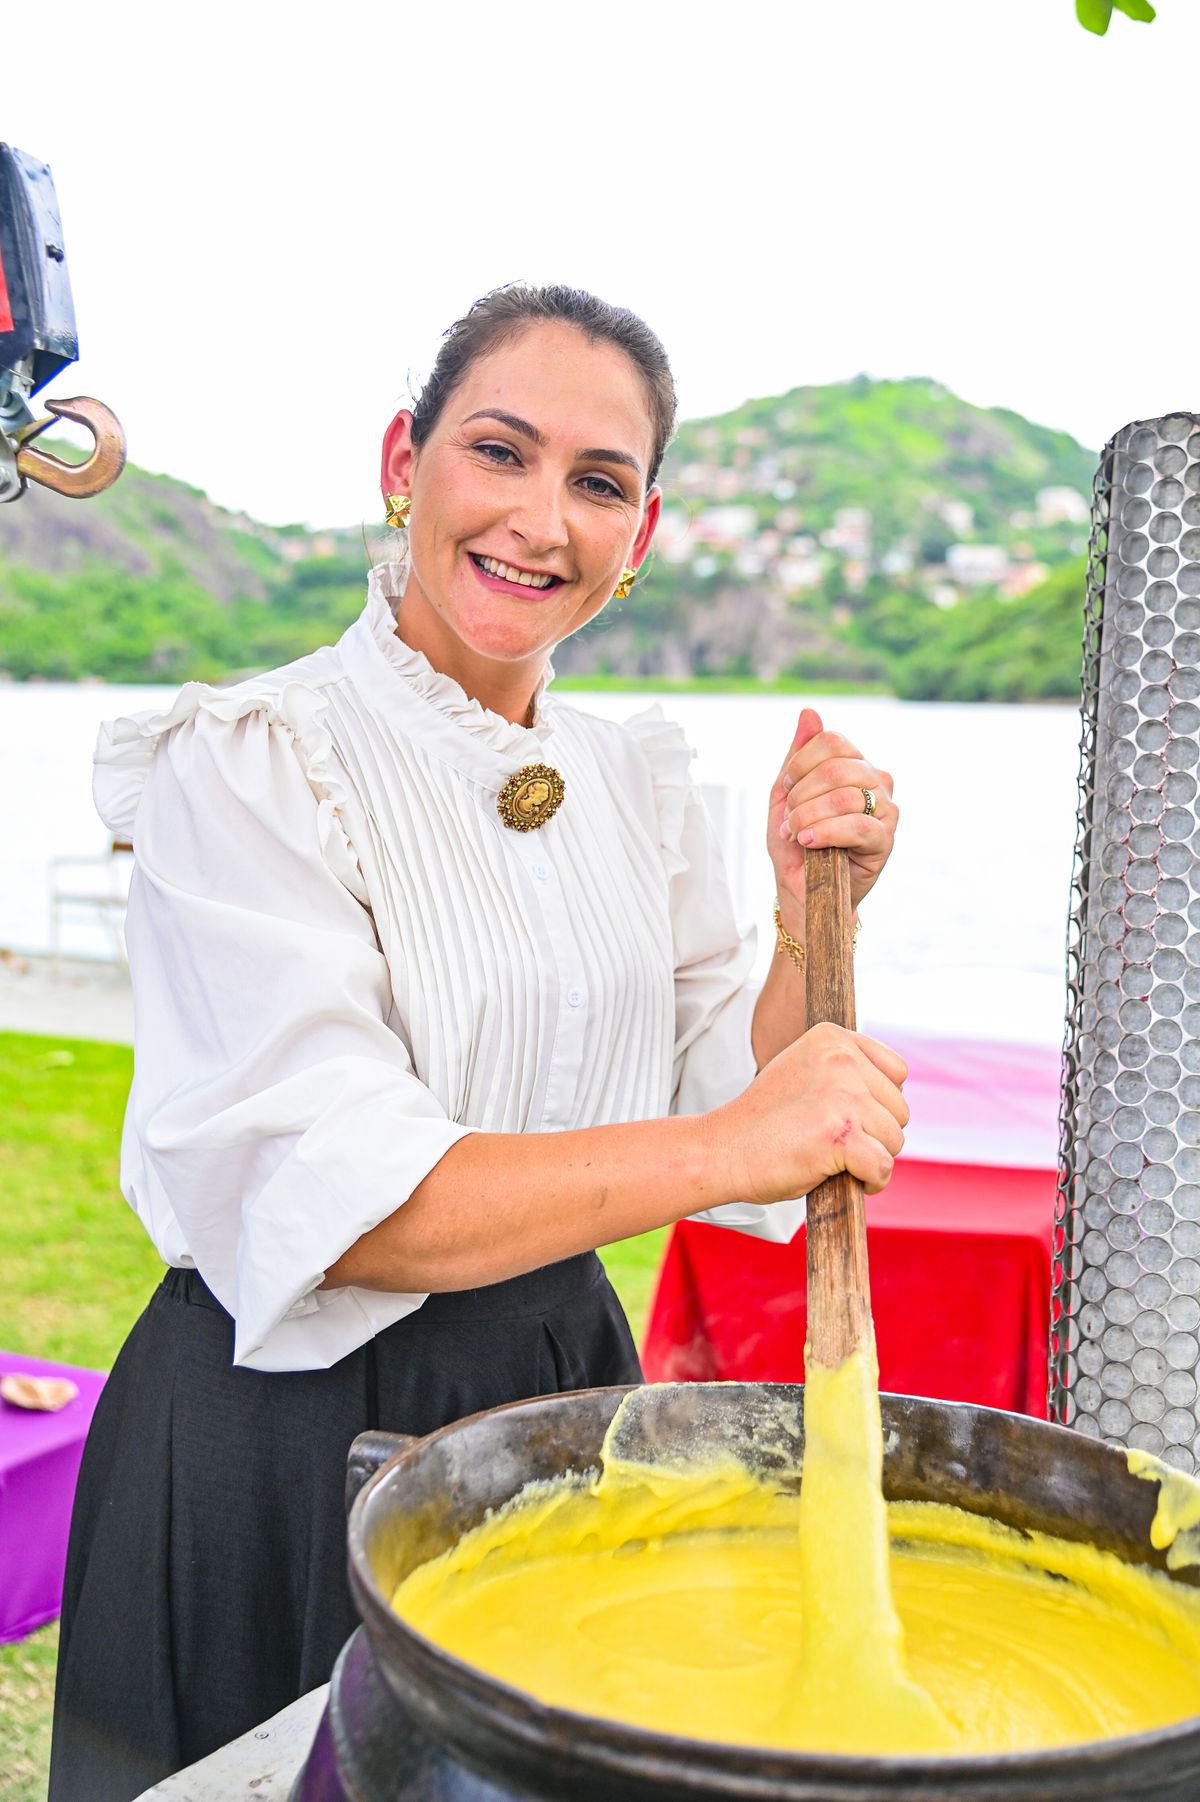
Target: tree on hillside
x=1094 y=15
x=991 y=649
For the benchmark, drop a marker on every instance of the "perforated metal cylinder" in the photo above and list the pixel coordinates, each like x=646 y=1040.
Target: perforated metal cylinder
x=1125 y=1334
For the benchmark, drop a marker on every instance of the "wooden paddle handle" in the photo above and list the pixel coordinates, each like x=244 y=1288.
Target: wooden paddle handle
x=839 y=1290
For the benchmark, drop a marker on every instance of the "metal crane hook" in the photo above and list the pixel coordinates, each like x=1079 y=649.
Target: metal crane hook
x=75 y=480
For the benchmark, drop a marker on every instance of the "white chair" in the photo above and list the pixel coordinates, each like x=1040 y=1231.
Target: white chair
x=95 y=886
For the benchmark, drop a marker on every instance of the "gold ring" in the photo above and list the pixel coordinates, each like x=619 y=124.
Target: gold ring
x=868 y=796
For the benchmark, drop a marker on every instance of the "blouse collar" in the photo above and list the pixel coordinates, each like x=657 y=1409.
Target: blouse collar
x=384 y=589
x=465 y=731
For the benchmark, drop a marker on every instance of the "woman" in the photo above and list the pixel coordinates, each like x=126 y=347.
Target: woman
x=438 y=988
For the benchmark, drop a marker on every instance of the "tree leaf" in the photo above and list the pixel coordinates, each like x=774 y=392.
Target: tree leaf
x=1141 y=10
x=1094 y=15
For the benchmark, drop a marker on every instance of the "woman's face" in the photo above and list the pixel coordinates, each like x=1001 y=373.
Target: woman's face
x=528 y=498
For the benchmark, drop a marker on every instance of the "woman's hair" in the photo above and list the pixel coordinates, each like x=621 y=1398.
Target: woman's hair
x=507 y=312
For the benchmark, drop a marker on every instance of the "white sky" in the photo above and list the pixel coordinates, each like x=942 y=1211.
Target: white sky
x=271 y=212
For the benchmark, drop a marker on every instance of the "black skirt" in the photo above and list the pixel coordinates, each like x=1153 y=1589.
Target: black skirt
x=206 y=1577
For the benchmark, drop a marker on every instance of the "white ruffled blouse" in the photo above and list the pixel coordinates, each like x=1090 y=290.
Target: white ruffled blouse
x=343 y=961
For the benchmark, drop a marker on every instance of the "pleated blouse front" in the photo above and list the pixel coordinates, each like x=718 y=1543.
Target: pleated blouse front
x=343 y=961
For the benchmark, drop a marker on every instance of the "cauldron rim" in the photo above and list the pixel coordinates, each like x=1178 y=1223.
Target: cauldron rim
x=531 y=1728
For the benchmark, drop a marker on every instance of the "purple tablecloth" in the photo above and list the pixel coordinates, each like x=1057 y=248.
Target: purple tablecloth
x=39 y=1462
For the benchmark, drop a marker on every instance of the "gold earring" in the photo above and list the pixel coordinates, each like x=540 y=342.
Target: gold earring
x=622 y=590
x=399 y=506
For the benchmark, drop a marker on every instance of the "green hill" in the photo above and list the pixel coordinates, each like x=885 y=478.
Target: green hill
x=861 y=532
x=900 y=449
x=150 y=582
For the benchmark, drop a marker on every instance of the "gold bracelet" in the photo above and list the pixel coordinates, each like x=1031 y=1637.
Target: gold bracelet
x=785 y=942
x=794 y=949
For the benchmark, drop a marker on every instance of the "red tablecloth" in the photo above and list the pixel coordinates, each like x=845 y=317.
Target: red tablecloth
x=39 y=1462
x=960 y=1289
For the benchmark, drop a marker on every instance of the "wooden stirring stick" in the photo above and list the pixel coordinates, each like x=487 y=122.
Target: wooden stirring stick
x=839 y=1290
x=852 y=1641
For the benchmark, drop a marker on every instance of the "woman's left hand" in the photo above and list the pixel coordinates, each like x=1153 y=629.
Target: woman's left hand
x=818 y=800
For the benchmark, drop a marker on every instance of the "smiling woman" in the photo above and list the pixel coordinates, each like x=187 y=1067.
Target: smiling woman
x=544 y=465
x=438 y=988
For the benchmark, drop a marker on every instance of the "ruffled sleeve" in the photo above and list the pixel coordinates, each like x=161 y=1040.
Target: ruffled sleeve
x=275 y=1115
x=714 y=995
x=126 y=749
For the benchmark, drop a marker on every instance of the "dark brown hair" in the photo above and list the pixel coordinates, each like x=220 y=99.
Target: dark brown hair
x=505 y=313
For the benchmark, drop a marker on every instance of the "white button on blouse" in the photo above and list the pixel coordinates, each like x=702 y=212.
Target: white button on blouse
x=341 y=963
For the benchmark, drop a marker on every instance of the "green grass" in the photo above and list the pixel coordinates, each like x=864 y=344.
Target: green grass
x=76 y=1268
x=75 y=1271
x=26 y=1698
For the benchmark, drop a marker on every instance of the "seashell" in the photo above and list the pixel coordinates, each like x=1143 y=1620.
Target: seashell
x=46 y=1394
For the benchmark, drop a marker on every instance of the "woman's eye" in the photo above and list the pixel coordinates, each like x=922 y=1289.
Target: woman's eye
x=602 y=487
x=498 y=453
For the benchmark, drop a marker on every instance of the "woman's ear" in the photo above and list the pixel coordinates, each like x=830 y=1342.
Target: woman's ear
x=398 y=455
x=648 y=527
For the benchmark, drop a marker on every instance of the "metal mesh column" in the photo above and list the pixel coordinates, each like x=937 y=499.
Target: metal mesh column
x=1125 y=1334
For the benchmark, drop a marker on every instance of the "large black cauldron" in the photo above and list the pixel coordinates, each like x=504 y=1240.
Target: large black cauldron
x=1022 y=1472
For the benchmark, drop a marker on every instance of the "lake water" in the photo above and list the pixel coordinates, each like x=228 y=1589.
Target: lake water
x=965 y=934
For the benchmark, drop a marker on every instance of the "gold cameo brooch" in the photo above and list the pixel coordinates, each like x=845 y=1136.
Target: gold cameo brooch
x=530 y=797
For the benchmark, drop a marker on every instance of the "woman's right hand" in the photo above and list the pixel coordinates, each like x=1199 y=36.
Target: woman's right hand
x=830 y=1101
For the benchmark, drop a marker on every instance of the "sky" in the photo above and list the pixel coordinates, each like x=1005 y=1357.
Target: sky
x=272 y=212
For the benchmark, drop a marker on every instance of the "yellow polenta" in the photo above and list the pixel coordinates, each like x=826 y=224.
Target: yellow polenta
x=675 y=1598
